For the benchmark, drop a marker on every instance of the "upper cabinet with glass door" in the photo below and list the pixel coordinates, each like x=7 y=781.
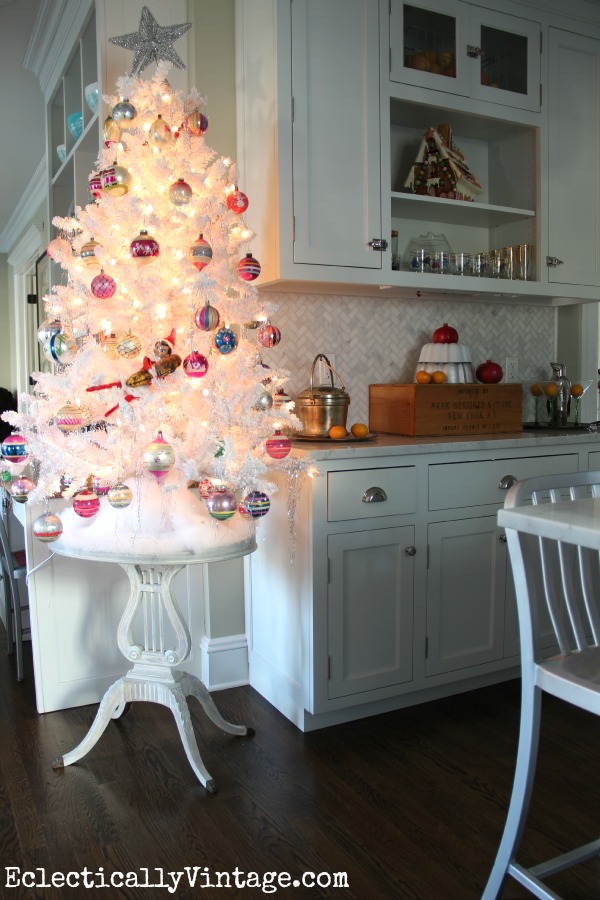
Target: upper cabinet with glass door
x=455 y=47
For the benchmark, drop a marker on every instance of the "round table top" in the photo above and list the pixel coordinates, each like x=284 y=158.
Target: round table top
x=217 y=553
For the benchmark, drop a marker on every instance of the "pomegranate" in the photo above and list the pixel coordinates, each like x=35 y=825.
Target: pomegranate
x=489 y=372
x=445 y=334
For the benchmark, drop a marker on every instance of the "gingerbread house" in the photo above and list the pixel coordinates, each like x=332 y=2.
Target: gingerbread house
x=440 y=169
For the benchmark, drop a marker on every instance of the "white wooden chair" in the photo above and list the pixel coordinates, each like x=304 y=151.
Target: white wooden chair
x=14 y=569
x=558 y=591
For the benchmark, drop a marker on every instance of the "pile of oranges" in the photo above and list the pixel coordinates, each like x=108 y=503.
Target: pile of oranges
x=423 y=377
x=358 y=430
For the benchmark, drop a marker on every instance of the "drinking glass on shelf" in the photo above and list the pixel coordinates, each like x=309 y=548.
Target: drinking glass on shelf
x=440 y=262
x=509 y=262
x=496 y=264
x=460 y=263
x=419 y=260
x=479 y=265
x=524 y=261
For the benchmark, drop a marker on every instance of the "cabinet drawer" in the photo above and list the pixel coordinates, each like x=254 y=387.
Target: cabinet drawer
x=455 y=485
x=347 y=491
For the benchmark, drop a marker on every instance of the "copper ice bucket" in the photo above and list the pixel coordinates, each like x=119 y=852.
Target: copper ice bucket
x=320 y=408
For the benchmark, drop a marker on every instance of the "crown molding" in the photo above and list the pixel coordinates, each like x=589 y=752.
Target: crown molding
x=34 y=196
x=58 y=25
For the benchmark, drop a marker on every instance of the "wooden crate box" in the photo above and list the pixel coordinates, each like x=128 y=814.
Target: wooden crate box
x=445 y=409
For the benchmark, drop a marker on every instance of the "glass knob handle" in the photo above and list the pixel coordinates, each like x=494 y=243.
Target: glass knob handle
x=507 y=482
x=410 y=551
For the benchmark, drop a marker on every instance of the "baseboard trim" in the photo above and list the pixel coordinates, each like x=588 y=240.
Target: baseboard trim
x=224 y=661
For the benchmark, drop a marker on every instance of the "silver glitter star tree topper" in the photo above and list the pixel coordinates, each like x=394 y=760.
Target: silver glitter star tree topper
x=152 y=42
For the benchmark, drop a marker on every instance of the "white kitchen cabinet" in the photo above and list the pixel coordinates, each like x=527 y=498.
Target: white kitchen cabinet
x=574 y=150
x=308 y=126
x=459 y=48
x=370 y=609
x=466 y=587
x=378 y=604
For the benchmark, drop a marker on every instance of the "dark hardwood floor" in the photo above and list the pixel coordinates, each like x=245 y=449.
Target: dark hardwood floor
x=410 y=804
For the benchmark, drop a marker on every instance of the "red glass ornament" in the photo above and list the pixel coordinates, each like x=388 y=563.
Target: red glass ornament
x=86 y=504
x=248 y=268
x=144 y=248
x=268 y=335
x=237 y=201
x=195 y=365
x=278 y=445
x=103 y=286
x=196 y=123
x=200 y=253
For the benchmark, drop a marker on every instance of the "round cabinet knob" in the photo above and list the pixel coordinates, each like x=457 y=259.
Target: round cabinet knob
x=410 y=551
x=374 y=495
x=503 y=538
x=507 y=482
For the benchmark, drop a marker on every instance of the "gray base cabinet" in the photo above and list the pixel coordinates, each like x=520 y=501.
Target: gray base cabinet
x=394 y=585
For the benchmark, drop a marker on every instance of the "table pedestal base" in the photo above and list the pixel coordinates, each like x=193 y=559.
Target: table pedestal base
x=152 y=678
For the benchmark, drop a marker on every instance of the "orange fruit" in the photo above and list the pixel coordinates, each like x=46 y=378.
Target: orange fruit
x=359 y=430
x=337 y=432
x=551 y=389
x=438 y=377
x=576 y=390
x=422 y=377
x=536 y=390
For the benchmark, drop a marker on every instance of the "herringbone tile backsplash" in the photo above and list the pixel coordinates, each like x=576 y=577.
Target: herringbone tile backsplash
x=379 y=340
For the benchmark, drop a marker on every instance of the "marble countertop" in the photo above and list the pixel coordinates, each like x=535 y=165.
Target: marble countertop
x=398 y=445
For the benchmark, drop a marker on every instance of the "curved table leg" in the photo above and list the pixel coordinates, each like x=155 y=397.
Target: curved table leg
x=193 y=687
x=153 y=677
x=112 y=702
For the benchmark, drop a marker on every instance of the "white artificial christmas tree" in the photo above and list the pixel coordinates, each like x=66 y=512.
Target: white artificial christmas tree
x=156 y=335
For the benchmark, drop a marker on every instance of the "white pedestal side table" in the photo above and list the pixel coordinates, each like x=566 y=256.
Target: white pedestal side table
x=153 y=678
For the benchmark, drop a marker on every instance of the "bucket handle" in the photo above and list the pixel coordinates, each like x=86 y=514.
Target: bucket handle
x=332 y=372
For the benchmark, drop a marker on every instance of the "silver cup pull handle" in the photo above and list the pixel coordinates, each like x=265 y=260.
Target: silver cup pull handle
x=374 y=495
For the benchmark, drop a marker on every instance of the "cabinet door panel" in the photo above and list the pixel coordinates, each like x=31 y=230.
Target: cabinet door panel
x=508 y=70
x=466 y=585
x=370 y=614
x=574 y=187
x=336 y=144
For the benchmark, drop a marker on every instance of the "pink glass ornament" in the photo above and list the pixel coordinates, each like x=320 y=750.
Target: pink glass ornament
x=278 y=445
x=86 y=504
x=195 y=365
x=237 y=201
x=222 y=504
x=100 y=485
x=103 y=286
x=248 y=268
x=200 y=253
x=268 y=335
x=20 y=488
x=144 y=248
